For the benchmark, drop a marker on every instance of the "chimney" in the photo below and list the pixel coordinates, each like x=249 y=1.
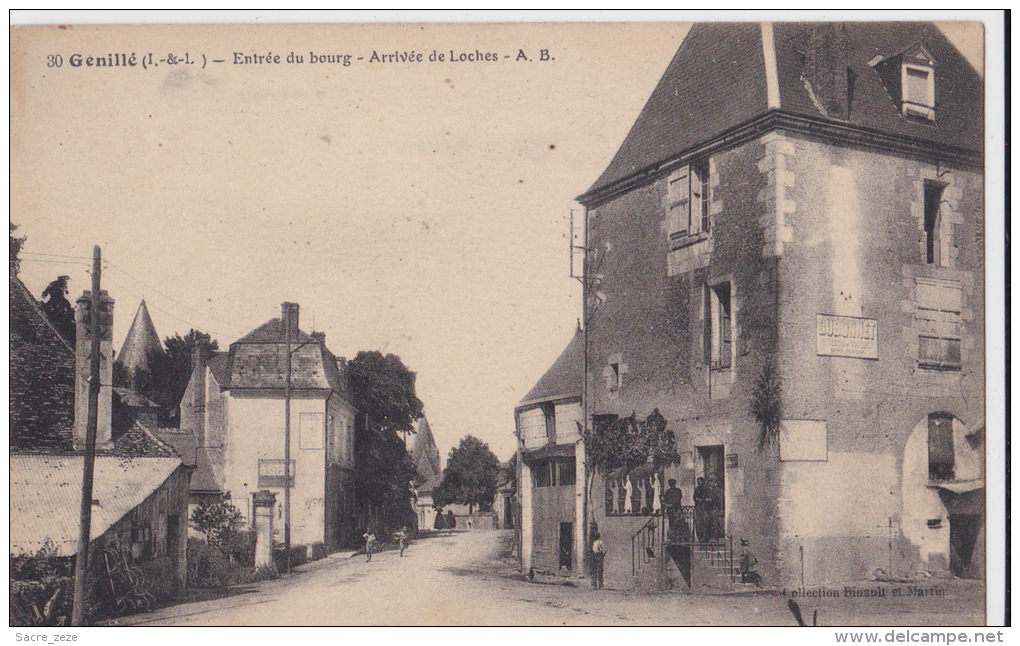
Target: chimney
x=198 y=362
x=320 y=337
x=289 y=312
x=826 y=69
x=83 y=351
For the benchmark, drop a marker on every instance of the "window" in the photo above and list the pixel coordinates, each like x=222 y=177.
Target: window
x=310 y=430
x=939 y=328
x=932 y=222
x=549 y=413
x=554 y=473
x=718 y=332
x=941 y=458
x=613 y=372
x=918 y=84
x=565 y=473
x=687 y=201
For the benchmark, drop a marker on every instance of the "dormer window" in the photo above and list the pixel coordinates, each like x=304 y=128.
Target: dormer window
x=909 y=78
x=918 y=91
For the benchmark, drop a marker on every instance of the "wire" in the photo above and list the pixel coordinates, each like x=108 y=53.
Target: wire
x=201 y=328
x=55 y=262
x=53 y=255
x=144 y=284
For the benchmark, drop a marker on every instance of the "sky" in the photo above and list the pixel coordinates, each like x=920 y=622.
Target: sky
x=414 y=208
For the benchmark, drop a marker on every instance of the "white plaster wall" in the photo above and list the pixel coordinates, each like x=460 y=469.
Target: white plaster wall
x=922 y=503
x=850 y=494
x=580 y=489
x=527 y=529
x=532 y=428
x=567 y=417
x=256 y=431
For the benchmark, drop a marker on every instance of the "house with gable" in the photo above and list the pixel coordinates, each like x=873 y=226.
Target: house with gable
x=139 y=507
x=551 y=467
x=427 y=465
x=233 y=420
x=785 y=257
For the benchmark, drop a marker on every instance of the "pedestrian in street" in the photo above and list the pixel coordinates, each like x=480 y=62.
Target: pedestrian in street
x=598 y=558
x=451 y=522
x=369 y=542
x=402 y=538
x=439 y=522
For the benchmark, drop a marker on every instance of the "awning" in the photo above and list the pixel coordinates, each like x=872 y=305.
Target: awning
x=549 y=451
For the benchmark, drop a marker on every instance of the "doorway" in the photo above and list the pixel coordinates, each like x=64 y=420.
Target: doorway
x=566 y=545
x=963 y=535
x=710 y=494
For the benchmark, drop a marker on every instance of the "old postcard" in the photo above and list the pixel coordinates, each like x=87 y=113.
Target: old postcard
x=629 y=323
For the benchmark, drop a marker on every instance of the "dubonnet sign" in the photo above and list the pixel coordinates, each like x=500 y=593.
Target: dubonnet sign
x=846 y=336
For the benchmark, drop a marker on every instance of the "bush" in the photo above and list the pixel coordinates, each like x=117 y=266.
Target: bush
x=42 y=588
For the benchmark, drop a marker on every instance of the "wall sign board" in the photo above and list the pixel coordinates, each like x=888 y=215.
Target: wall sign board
x=846 y=336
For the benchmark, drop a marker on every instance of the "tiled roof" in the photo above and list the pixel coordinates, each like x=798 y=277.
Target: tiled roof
x=218 y=365
x=130 y=397
x=271 y=332
x=140 y=340
x=564 y=377
x=42 y=389
x=41 y=373
x=46 y=495
x=717 y=82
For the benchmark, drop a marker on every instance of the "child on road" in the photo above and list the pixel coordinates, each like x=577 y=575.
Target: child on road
x=369 y=537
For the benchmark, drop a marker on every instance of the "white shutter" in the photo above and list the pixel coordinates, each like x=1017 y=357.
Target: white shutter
x=678 y=197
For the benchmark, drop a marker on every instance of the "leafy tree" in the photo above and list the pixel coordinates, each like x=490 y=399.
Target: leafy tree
x=219 y=522
x=614 y=442
x=58 y=309
x=168 y=373
x=16 y=244
x=384 y=395
x=470 y=476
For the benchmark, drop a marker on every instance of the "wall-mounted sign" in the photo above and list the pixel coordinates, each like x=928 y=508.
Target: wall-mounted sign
x=271 y=473
x=846 y=336
x=732 y=462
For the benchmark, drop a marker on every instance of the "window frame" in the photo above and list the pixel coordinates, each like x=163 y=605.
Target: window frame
x=933 y=325
x=933 y=192
x=688 y=199
x=910 y=104
x=719 y=327
x=941 y=471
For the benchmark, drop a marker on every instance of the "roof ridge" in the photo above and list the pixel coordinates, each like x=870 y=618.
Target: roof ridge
x=35 y=304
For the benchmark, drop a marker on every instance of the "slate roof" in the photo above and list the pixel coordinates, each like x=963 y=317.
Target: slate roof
x=140 y=340
x=424 y=454
x=46 y=495
x=716 y=82
x=41 y=373
x=564 y=377
x=257 y=360
x=41 y=400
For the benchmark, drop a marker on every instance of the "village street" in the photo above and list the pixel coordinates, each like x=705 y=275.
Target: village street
x=464 y=579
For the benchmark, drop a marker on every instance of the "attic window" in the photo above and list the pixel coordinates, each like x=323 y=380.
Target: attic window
x=918 y=84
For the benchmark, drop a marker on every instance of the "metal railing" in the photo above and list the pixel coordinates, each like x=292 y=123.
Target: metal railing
x=646 y=544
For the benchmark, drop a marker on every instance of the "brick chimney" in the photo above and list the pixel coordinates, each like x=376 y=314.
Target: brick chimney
x=198 y=364
x=83 y=367
x=289 y=311
x=826 y=69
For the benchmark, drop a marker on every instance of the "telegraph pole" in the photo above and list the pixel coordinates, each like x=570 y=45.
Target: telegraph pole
x=286 y=445
x=85 y=524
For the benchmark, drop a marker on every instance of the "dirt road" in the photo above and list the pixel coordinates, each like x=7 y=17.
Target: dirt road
x=462 y=580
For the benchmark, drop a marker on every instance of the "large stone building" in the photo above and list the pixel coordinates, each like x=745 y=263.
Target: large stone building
x=232 y=417
x=785 y=258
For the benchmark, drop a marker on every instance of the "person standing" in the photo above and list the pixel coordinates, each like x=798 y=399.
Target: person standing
x=598 y=559
x=369 y=537
x=402 y=539
x=451 y=522
x=701 y=520
x=673 y=500
x=439 y=522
